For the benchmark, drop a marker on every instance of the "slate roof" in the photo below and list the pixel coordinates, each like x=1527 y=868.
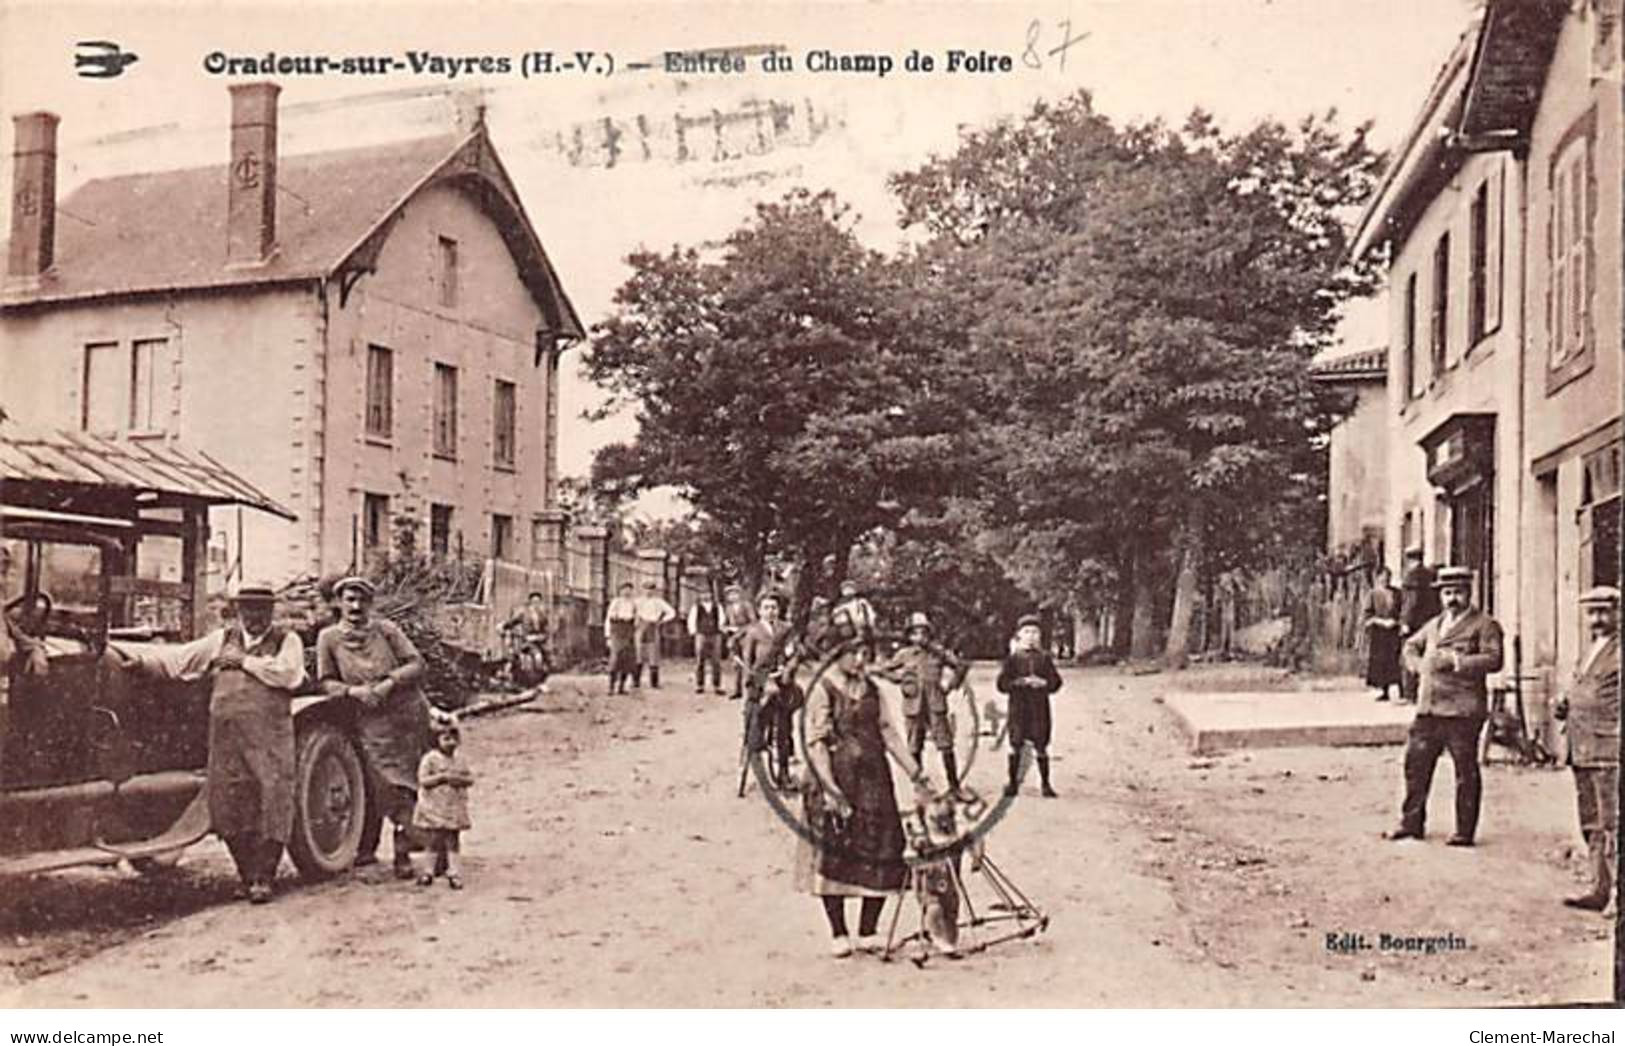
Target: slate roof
x=1507 y=53
x=160 y=466
x=166 y=230
x=1515 y=50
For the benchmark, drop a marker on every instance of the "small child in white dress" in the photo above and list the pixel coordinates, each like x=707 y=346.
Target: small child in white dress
x=442 y=809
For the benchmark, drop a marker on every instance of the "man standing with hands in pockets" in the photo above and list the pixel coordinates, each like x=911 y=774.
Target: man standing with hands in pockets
x=1452 y=654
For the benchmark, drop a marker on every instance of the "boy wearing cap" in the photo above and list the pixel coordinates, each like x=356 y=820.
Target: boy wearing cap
x=254 y=667
x=927 y=673
x=1590 y=710
x=1028 y=675
x=1451 y=654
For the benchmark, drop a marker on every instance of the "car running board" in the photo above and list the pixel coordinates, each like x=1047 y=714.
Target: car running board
x=189 y=827
x=55 y=860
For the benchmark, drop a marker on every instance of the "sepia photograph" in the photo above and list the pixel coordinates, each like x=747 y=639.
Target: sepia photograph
x=819 y=505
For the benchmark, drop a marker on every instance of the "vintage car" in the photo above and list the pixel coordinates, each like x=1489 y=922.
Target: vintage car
x=108 y=541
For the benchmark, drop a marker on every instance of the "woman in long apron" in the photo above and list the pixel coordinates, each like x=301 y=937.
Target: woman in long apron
x=851 y=807
x=370 y=660
x=1381 y=620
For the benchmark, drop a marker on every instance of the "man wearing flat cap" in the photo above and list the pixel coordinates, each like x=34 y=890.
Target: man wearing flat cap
x=254 y=668
x=1590 y=711
x=1452 y=655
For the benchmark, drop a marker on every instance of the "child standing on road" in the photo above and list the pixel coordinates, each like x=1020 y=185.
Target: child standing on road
x=1028 y=675
x=442 y=810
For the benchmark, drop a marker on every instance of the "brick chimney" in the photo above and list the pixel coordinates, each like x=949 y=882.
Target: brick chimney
x=251 y=201
x=33 y=202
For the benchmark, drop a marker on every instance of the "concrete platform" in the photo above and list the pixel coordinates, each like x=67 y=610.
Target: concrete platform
x=1221 y=722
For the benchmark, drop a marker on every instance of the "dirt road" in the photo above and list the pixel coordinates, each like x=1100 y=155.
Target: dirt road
x=611 y=865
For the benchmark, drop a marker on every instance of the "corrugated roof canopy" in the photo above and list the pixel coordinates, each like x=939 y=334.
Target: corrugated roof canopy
x=1371 y=364
x=159 y=466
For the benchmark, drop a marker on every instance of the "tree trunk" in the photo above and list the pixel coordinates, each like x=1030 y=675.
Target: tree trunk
x=1177 y=651
x=1143 y=642
x=753 y=568
x=1123 y=606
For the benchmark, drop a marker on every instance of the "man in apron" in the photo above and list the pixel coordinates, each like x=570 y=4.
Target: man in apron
x=652 y=613
x=620 y=626
x=254 y=667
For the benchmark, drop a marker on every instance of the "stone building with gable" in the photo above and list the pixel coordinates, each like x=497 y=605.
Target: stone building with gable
x=361 y=333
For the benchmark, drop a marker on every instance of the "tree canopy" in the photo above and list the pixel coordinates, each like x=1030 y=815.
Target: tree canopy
x=779 y=387
x=1093 y=372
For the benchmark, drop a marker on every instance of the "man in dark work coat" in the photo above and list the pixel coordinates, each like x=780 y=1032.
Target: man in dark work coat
x=1453 y=654
x=1418 y=604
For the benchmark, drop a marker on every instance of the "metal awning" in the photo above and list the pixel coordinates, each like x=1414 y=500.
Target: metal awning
x=158 y=467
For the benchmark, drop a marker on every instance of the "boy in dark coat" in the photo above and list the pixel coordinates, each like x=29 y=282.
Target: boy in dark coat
x=1028 y=675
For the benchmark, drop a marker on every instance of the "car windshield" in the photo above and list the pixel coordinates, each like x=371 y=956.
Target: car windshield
x=69 y=575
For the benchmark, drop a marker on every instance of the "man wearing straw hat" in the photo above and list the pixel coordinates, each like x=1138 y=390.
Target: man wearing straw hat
x=1452 y=654
x=1590 y=710
x=254 y=668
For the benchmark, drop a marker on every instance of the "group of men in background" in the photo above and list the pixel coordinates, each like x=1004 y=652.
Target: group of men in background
x=632 y=625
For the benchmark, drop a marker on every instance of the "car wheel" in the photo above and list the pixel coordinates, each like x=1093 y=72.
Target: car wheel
x=329 y=802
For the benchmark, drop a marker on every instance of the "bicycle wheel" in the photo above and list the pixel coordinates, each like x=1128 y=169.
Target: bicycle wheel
x=766 y=754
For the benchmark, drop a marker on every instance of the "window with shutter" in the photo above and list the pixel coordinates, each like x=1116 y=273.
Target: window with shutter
x=1412 y=372
x=1440 y=327
x=102 y=406
x=380 y=408
x=152 y=381
x=1494 y=247
x=503 y=425
x=445 y=411
x=1570 y=234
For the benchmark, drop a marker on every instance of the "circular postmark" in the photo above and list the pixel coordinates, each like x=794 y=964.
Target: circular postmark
x=836 y=802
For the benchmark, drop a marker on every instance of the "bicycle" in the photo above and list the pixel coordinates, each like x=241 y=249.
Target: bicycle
x=768 y=735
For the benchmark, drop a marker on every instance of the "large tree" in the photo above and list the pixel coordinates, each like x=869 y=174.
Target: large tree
x=1145 y=302
x=781 y=386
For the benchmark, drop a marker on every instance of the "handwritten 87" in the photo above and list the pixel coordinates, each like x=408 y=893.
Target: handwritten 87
x=1033 y=57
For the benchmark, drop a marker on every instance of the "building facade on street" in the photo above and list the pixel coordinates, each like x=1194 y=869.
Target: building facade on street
x=362 y=333
x=1501 y=220
x=1357 y=452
